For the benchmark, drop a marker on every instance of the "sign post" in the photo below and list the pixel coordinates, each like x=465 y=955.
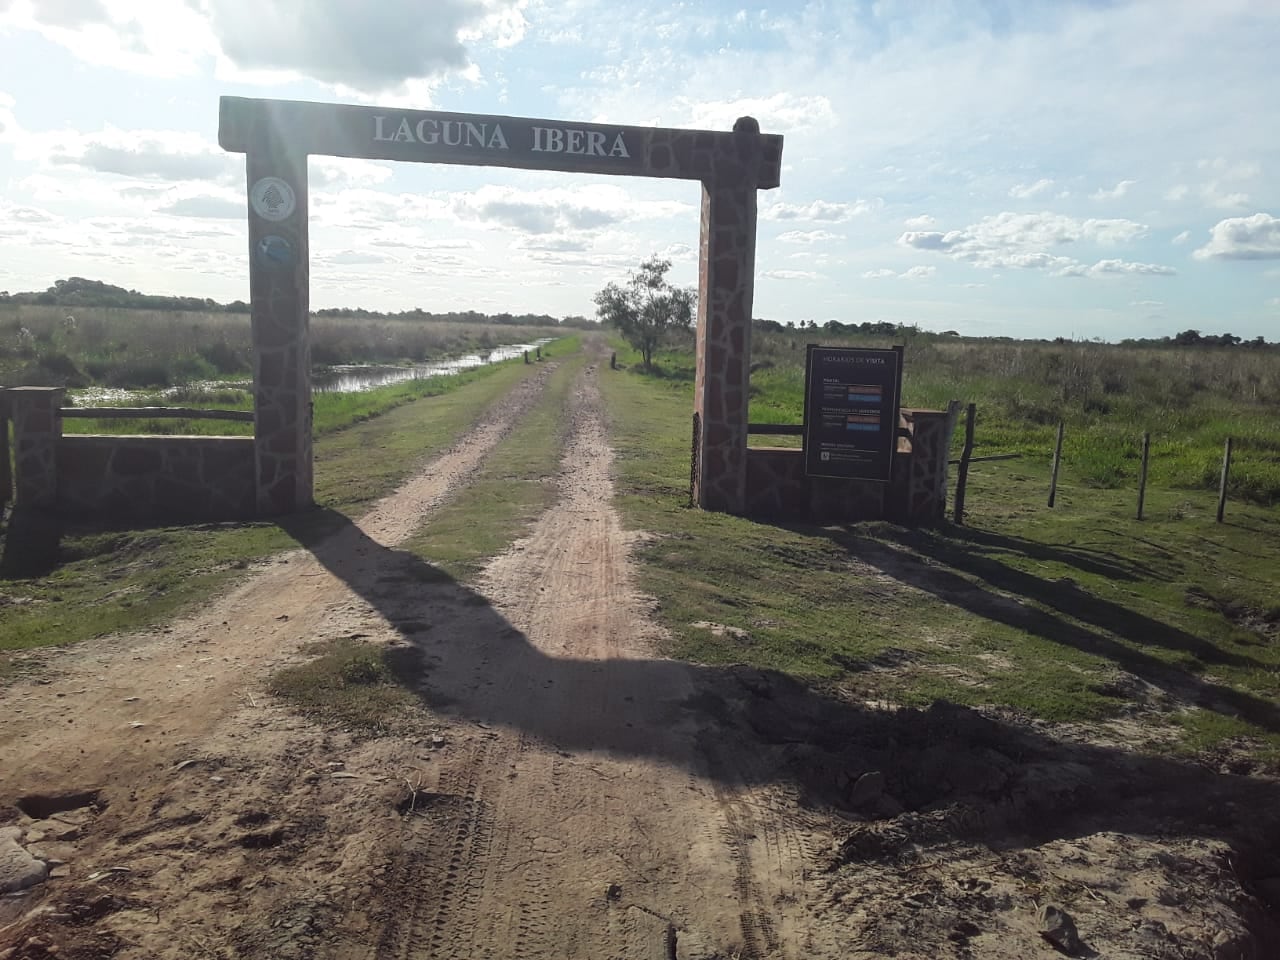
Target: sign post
x=851 y=398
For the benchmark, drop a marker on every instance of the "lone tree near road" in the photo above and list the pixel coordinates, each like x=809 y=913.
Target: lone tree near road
x=647 y=308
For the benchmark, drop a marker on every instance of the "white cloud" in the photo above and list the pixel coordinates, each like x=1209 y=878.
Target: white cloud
x=552 y=244
x=779 y=113
x=1115 y=193
x=1147 y=304
x=145 y=154
x=790 y=275
x=323 y=172
x=363 y=46
x=24 y=215
x=345 y=43
x=213 y=207
x=809 y=236
x=1214 y=195
x=563 y=209
x=1025 y=191
x=919 y=272
x=354 y=258
x=1243 y=238
x=1183 y=237
x=822 y=211
x=919 y=223
x=1120 y=267
x=1273 y=302
x=1023 y=240
x=166 y=40
x=167 y=155
x=1222 y=191
x=1178 y=192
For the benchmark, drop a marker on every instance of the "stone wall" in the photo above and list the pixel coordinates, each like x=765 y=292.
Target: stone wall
x=146 y=478
x=36 y=429
x=128 y=479
x=777 y=488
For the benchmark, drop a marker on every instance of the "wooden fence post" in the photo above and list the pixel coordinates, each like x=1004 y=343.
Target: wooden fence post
x=1142 y=477
x=526 y=356
x=1057 y=460
x=962 y=475
x=613 y=361
x=1222 y=483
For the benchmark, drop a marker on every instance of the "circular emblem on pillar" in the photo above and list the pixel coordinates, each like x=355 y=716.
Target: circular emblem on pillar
x=272 y=199
x=275 y=253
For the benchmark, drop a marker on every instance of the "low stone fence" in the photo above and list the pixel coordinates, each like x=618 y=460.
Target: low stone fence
x=128 y=478
x=916 y=492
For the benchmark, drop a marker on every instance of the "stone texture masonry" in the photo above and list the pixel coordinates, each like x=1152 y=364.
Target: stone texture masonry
x=277 y=136
x=36 y=429
x=145 y=478
x=916 y=493
x=125 y=478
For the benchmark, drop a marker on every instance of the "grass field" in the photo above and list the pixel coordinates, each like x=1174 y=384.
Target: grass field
x=152 y=349
x=1189 y=399
x=1077 y=614
x=118 y=580
x=331 y=411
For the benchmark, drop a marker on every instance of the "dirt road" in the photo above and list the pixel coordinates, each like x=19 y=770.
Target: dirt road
x=570 y=794
x=563 y=808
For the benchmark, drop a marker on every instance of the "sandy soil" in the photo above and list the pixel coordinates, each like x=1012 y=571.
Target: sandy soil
x=574 y=795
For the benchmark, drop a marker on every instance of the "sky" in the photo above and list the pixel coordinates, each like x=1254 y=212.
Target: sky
x=1026 y=168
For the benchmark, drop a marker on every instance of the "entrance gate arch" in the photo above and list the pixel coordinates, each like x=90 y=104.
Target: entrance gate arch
x=277 y=136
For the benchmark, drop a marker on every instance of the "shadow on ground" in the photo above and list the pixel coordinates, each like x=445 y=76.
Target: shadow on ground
x=966 y=775
x=32 y=543
x=955 y=566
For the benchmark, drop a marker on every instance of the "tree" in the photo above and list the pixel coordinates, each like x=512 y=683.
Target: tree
x=647 y=308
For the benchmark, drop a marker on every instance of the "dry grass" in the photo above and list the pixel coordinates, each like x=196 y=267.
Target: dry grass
x=142 y=348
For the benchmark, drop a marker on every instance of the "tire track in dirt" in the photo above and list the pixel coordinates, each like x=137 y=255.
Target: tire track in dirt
x=609 y=847
x=146 y=695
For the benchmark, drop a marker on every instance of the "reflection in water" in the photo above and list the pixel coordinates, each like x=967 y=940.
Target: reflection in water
x=356 y=377
x=348 y=378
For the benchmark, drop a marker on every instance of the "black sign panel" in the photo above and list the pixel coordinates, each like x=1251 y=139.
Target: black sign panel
x=851 y=399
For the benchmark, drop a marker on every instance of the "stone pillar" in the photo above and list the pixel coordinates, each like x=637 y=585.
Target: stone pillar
x=926 y=494
x=6 y=478
x=37 y=428
x=279 y=287
x=726 y=285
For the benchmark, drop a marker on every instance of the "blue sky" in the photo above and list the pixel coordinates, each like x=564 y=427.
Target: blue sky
x=1085 y=169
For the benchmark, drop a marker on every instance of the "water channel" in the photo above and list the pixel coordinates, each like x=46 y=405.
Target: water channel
x=344 y=378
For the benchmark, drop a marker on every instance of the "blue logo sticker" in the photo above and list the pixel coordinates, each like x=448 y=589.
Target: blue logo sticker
x=275 y=252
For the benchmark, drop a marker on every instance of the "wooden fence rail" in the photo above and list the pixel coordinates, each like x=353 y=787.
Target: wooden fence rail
x=154 y=413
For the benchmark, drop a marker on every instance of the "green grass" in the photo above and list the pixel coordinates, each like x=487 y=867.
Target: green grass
x=1050 y=613
x=1189 y=399
x=355 y=684
x=122 y=580
x=515 y=485
x=120 y=347
x=331 y=411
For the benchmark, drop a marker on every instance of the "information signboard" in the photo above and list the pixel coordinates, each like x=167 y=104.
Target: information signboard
x=851 y=397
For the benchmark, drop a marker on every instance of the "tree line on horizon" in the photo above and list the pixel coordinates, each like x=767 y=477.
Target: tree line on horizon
x=75 y=292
